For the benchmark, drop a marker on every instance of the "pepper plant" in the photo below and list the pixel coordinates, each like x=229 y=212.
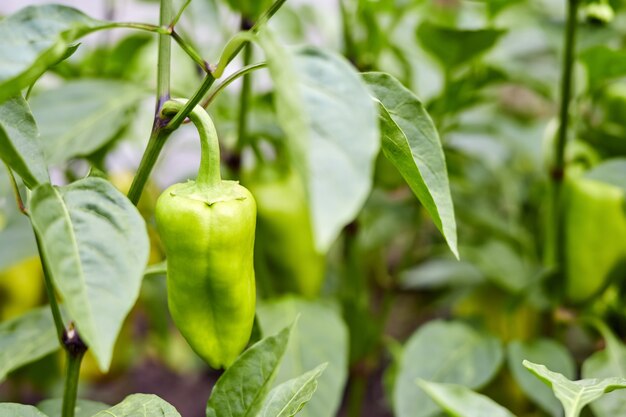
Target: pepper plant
x=306 y=257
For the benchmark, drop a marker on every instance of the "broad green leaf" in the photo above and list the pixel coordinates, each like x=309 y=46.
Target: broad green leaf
x=34 y=39
x=320 y=336
x=545 y=351
x=411 y=142
x=19 y=410
x=603 y=64
x=95 y=245
x=84 y=408
x=460 y=401
x=333 y=136
x=455 y=47
x=80 y=117
x=140 y=405
x=287 y=399
x=25 y=339
x=241 y=390
x=605 y=364
x=449 y=352
x=19 y=147
x=575 y=395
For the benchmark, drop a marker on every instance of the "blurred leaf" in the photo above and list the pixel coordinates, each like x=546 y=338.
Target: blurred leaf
x=241 y=390
x=455 y=47
x=25 y=339
x=459 y=401
x=95 y=245
x=440 y=351
x=605 y=364
x=80 y=117
x=495 y=7
x=35 y=38
x=501 y=264
x=288 y=399
x=410 y=140
x=466 y=90
x=545 y=351
x=251 y=9
x=16 y=240
x=19 y=410
x=325 y=111
x=439 y=273
x=575 y=395
x=611 y=171
x=140 y=405
x=84 y=408
x=320 y=336
x=19 y=147
x=603 y=65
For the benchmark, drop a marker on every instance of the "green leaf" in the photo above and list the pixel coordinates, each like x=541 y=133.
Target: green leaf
x=95 y=245
x=34 y=39
x=140 y=405
x=25 y=339
x=19 y=410
x=449 y=352
x=603 y=64
x=84 y=408
x=240 y=391
x=604 y=364
x=545 y=351
x=460 y=401
x=287 y=399
x=575 y=395
x=19 y=147
x=411 y=142
x=455 y=47
x=320 y=336
x=80 y=117
x=16 y=239
x=333 y=137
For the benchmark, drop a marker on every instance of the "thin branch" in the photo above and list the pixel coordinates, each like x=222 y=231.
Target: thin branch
x=230 y=79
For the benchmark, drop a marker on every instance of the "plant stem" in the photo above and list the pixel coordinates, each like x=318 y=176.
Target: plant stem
x=244 y=97
x=161 y=30
x=191 y=52
x=179 y=14
x=54 y=306
x=229 y=80
x=16 y=191
x=165 y=54
x=75 y=349
x=348 y=41
x=162 y=128
x=150 y=156
x=358 y=388
x=554 y=250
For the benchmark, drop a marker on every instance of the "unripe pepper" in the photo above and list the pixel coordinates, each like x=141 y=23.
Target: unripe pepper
x=595 y=226
x=207 y=227
x=285 y=242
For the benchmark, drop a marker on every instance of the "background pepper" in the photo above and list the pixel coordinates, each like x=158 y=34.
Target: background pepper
x=595 y=227
x=207 y=227
x=285 y=253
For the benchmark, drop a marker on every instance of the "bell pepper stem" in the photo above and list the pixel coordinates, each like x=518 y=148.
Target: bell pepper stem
x=209 y=173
